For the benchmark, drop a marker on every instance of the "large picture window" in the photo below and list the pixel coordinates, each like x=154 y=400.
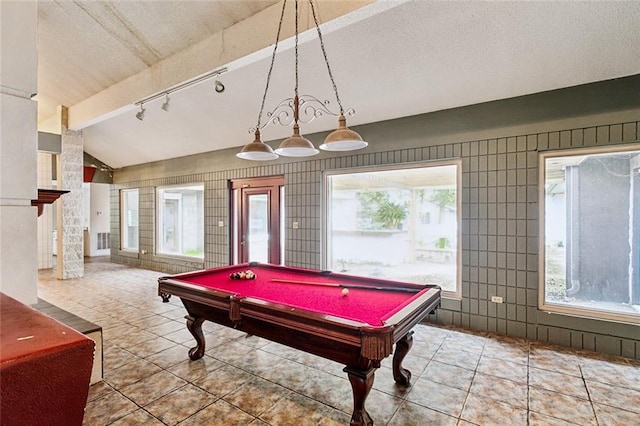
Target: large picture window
x=180 y=226
x=399 y=224
x=591 y=233
x=129 y=205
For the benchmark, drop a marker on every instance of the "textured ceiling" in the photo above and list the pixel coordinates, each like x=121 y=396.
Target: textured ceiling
x=86 y=46
x=390 y=59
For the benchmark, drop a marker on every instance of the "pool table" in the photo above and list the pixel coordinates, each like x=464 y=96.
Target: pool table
x=349 y=319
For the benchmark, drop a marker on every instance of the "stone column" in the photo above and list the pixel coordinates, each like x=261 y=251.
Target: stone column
x=70 y=258
x=18 y=151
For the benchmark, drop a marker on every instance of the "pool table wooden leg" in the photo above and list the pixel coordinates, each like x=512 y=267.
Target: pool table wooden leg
x=195 y=328
x=402 y=376
x=361 y=383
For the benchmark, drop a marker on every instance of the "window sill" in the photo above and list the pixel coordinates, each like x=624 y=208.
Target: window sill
x=625 y=326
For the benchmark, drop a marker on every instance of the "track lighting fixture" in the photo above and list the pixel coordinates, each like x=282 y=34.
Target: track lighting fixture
x=219 y=87
x=165 y=105
x=140 y=114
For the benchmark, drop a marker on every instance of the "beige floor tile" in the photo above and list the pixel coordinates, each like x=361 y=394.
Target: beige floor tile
x=256 y=396
x=384 y=382
x=169 y=357
x=437 y=396
x=150 y=347
x=224 y=380
x=114 y=357
x=296 y=410
x=561 y=406
x=153 y=387
x=459 y=358
x=621 y=372
x=107 y=409
x=554 y=359
x=194 y=370
x=130 y=373
x=558 y=382
x=498 y=389
x=180 y=404
x=409 y=414
x=138 y=417
x=219 y=413
x=486 y=411
x=99 y=390
x=537 y=419
x=626 y=399
x=450 y=375
x=514 y=371
x=612 y=416
x=380 y=406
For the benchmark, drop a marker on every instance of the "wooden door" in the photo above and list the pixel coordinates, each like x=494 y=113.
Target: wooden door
x=258 y=216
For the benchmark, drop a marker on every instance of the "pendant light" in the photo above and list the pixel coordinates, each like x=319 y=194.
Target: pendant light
x=342 y=139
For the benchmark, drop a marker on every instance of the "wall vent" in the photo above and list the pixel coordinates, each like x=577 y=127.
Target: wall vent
x=104 y=239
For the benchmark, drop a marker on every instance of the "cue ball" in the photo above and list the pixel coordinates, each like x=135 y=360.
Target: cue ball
x=345 y=291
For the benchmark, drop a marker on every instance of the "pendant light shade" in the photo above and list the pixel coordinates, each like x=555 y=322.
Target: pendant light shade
x=296 y=145
x=257 y=150
x=343 y=138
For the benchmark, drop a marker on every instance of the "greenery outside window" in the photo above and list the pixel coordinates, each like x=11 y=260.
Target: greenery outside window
x=399 y=223
x=129 y=205
x=590 y=228
x=180 y=225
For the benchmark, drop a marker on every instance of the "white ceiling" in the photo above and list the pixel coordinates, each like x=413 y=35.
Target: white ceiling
x=389 y=58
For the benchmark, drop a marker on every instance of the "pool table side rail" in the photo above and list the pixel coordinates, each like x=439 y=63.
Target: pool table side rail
x=197 y=293
x=406 y=318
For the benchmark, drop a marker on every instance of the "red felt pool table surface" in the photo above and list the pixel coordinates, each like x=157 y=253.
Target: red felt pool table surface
x=370 y=306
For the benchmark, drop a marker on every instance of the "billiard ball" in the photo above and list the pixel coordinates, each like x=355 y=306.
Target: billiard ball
x=345 y=291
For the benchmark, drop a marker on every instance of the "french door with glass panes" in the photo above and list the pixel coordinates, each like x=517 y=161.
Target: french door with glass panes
x=258 y=215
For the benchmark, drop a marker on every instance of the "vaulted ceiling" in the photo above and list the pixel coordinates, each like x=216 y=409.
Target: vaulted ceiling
x=390 y=59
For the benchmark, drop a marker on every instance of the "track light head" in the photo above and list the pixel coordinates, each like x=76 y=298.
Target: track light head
x=218 y=86
x=140 y=114
x=165 y=105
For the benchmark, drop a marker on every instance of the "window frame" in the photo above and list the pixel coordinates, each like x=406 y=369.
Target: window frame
x=158 y=221
x=325 y=191
x=557 y=308
x=123 y=219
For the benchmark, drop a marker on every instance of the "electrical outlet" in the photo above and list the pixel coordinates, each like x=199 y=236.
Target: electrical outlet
x=496 y=299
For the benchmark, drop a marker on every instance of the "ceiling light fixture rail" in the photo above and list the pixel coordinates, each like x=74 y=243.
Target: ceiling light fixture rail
x=184 y=85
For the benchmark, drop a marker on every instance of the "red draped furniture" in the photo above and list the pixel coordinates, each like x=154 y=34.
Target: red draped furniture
x=45 y=368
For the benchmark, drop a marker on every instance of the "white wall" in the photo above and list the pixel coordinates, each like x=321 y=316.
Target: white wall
x=46 y=223
x=98 y=217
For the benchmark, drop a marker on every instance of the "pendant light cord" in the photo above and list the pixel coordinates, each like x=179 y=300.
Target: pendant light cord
x=324 y=53
x=273 y=57
x=295 y=90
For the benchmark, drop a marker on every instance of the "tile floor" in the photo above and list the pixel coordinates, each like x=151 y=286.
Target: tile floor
x=459 y=377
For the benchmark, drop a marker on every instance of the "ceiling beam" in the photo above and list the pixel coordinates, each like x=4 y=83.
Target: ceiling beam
x=220 y=49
